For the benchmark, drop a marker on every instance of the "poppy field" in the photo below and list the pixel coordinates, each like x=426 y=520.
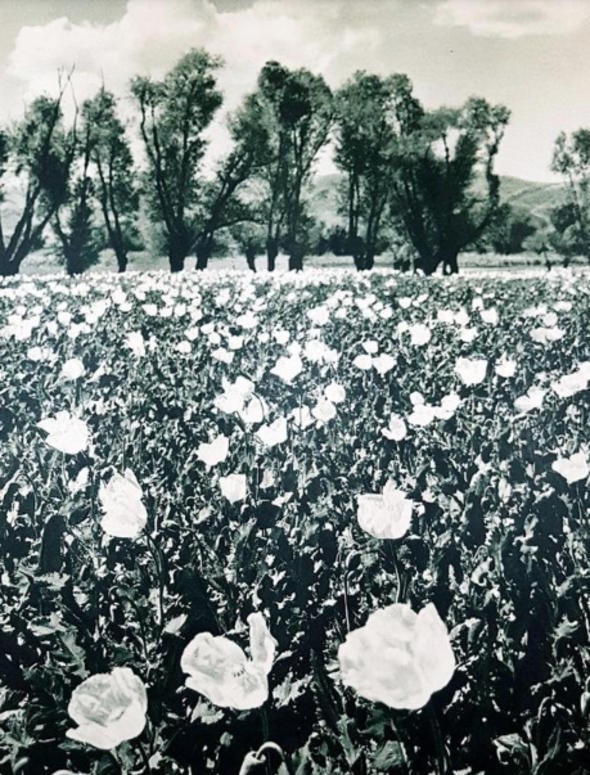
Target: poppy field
x=324 y=522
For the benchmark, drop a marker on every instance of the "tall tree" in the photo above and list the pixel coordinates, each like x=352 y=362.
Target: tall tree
x=222 y=206
x=445 y=191
x=571 y=159
x=364 y=145
x=174 y=114
x=297 y=110
x=38 y=154
x=112 y=165
x=73 y=218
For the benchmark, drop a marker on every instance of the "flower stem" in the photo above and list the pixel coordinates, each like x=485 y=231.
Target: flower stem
x=441 y=754
x=265 y=725
x=401 y=745
x=144 y=758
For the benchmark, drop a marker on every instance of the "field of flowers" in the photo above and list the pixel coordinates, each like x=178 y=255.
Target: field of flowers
x=320 y=523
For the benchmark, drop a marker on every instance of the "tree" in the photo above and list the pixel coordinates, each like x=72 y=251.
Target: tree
x=249 y=236
x=563 y=233
x=296 y=110
x=221 y=205
x=173 y=116
x=112 y=163
x=445 y=191
x=73 y=218
x=38 y=154
x=510 y=229
x=571 y=159
x=364 y=147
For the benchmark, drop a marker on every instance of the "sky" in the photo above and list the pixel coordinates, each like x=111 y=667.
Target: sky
x=530 y=55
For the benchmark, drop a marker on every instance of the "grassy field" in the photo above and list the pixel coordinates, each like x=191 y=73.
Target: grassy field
x=43 y=264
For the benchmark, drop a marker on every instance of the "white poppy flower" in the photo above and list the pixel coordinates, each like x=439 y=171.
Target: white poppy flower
x=324 y=410
x=335 y=393
x=183 y=347
x=233 y=487
x=445 y=316
x=319 y=315
x=73 y=369
x=254 y=411
x=223 y=355
x=505 y=367
x=281 y=336
x=124 y=515
x=532 y=399
x=471 y=371
x=461 y=318
x=67 y=433
x=420 y=334
x=489 y=316
x=287 y=368
x=573 y=469
x=422 y=415
x=302 y=417
x=398 y=657
x=108 y=708
x=448 y=406
x=218 y=668
x=387 y=515
x=370 y=346
x=383 y=363
x=364 y=362
x=135 y=342
x=235 y=342
x=570 y=384
x=274 y=433
x=214 y=452
x=396 y=430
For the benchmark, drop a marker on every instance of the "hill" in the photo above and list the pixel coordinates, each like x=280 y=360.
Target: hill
x=532 y=196
x=536 y=198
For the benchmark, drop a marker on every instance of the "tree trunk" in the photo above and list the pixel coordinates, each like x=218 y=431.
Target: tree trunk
x=445 y=256
x=72 y=262
x=359 y=261
x=272 y=251
x=296 y=258
x=176 y=255
x=8 y=268
x=450 y=263
x=203 y=252
x=121 y=256
x=251 y=258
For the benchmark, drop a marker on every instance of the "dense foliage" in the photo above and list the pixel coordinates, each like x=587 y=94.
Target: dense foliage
x=491 y=451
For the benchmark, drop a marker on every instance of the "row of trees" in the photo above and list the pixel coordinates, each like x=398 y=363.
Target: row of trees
x=65 y=176
x=426 y=176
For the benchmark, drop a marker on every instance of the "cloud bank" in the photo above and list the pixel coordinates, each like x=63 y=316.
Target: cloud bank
x=152 y=35
x=514 y=18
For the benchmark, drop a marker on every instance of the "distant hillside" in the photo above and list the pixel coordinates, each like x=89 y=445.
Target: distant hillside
x=536 y=198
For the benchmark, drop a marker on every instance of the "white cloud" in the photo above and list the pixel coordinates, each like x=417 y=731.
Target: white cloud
x=514 y=18
x=149 y=38
x=152 y=34
x=331 y=37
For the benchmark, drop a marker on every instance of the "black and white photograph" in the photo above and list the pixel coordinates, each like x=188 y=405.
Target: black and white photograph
x=294 y=387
